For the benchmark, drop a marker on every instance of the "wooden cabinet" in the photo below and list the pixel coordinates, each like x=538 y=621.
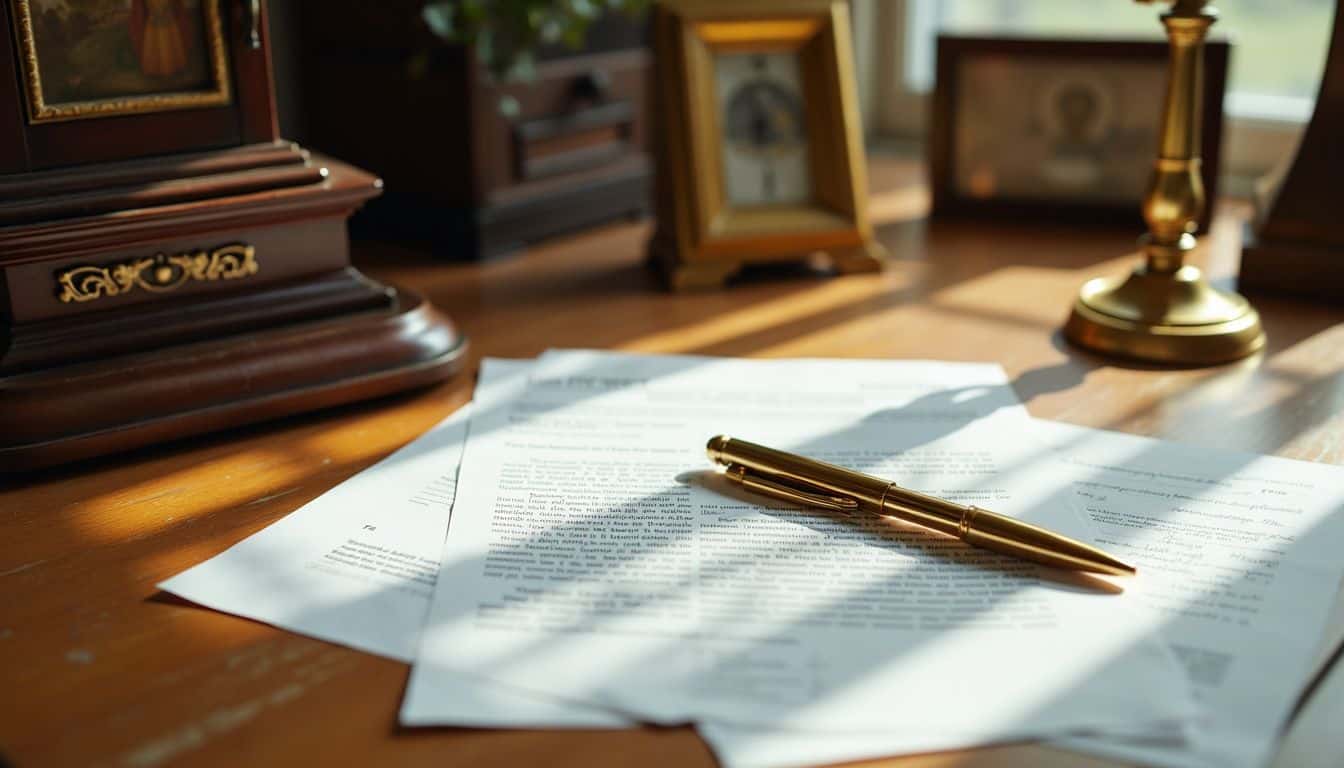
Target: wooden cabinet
x=476 y=166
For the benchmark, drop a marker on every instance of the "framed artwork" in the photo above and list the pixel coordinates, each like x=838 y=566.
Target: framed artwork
x=97 y=58
x=761 y=151
x=1057 y=128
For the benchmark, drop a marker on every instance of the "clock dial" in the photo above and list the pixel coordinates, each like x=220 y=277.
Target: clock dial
x=764 y=144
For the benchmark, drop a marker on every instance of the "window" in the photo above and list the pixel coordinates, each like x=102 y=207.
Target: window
x=1279 y=49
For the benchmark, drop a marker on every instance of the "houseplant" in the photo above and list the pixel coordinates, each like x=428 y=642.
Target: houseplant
x=506 y=34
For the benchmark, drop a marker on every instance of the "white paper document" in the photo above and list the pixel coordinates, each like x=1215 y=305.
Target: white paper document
x=317 y=571
x=302 y=574
x=589 y=560
x=1241 y=558
x=1238 y=553
x=356 y=566
x=1239 y=568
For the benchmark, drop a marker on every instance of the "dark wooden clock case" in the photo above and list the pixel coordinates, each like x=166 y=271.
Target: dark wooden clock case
x=247 y=308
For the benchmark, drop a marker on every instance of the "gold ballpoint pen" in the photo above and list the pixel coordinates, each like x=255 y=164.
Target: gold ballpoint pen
x=817 y=484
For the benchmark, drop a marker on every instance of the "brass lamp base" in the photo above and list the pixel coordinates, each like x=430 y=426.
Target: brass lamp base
x=1165 y=312
x=1165 y=317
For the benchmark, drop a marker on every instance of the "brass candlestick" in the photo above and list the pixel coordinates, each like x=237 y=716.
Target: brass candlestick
x=1166 y=311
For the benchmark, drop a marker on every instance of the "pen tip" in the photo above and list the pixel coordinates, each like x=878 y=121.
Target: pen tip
x=1117 y=568
x=715 y=448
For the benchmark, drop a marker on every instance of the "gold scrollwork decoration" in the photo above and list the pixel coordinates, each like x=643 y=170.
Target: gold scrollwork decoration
x=158 y=274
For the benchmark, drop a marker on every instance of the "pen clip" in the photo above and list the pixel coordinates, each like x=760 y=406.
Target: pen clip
x=777 y=490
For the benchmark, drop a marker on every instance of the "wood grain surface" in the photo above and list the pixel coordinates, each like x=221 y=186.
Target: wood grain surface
x=100 y=668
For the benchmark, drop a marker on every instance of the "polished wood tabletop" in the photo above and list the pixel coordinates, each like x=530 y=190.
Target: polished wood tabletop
x=100 y=668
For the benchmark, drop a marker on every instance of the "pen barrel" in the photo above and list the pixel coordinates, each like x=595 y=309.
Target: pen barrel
x=795 y=478
x=988 y=530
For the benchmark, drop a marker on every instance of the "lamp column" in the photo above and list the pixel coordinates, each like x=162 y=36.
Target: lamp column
x=1165 y=311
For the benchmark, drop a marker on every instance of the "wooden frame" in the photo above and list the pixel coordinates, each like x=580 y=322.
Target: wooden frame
x=42 y=111
x=701 y=239
x=954 y=50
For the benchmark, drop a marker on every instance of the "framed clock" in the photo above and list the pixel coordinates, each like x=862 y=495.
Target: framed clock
x=761 y=150
x=764 y=143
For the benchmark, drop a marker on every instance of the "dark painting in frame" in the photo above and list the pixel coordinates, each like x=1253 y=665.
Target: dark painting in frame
x=100 y=58
x=1058 y=129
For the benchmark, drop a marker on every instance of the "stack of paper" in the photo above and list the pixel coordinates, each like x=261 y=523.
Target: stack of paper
x=597 y=574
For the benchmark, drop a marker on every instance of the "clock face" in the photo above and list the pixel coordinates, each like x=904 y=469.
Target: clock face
x=764 y=144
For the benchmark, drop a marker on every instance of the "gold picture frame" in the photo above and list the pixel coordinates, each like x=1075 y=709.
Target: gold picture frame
x=701 y=238
x=43 y=109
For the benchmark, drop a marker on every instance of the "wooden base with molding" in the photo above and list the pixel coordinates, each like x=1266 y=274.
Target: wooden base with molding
x=147 y=300
x=62 y=414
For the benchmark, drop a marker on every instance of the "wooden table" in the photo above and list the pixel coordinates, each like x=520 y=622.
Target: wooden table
x=99 y=668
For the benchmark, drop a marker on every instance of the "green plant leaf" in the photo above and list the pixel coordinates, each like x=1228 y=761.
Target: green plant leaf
x=439 y=15
x=507 y=33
